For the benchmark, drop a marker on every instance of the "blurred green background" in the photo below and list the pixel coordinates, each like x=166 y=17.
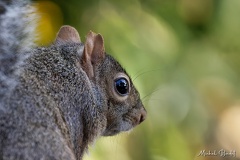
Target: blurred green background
x=184 y=58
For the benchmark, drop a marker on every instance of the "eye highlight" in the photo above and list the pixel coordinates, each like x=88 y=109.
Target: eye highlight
x=122 y=86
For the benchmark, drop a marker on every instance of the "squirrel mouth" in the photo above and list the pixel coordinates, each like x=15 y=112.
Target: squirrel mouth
x=110 y=132
x=123 y=127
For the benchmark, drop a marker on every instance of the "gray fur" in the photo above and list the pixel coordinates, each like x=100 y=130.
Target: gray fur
x=16 y=35
x=49 y=110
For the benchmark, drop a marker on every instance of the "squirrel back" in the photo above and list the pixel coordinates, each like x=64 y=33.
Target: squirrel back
x=65 y=97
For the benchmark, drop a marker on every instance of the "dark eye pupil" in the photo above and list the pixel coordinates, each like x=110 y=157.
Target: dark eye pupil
x=122 y=86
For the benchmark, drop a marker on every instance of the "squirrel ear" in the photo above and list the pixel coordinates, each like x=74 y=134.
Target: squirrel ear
x=93 y=53
x=67 y=34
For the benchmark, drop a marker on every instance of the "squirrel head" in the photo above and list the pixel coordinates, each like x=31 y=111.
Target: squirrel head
x=117 y=97
x=124 y=106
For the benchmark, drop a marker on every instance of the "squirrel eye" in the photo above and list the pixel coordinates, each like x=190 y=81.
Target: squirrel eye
x=122 y=86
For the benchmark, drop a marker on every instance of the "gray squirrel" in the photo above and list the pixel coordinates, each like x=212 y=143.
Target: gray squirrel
x=57 y=100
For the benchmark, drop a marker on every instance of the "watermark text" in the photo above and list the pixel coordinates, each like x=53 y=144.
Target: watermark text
x=221 y=153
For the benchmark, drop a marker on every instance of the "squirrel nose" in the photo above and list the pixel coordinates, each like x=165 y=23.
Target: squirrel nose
x=143 y=115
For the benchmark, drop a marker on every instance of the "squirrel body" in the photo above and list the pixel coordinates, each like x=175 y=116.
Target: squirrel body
x=65 y=97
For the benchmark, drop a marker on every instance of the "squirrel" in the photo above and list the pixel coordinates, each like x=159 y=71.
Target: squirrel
x=62 y=97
